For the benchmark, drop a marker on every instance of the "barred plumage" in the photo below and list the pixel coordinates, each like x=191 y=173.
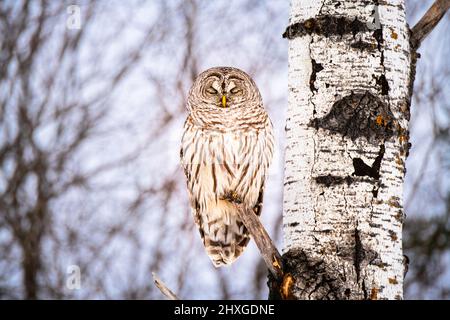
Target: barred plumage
x=226 y=151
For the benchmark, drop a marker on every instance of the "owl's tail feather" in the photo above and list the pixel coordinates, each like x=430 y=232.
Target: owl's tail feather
x=224 y=235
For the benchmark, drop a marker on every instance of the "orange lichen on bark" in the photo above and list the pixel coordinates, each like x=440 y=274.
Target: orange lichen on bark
x=402 y=138
x=392 y=281
x=394 y=35
x=381 y=121
x=374 y=294
x=275 y=263
x=286 y=285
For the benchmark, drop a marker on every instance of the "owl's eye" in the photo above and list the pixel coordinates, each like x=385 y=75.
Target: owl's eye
x=235 y=90
x=211 y=90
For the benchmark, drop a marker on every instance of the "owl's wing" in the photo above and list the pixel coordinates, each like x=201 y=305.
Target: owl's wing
x=267 y=160
x=186 y=159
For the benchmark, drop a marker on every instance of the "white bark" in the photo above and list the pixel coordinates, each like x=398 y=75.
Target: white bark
x=343 y=223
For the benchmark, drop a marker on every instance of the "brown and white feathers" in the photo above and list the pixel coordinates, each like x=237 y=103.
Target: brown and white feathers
x=226 y=150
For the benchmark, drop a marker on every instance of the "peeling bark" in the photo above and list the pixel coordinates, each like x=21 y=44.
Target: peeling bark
x=347 y=141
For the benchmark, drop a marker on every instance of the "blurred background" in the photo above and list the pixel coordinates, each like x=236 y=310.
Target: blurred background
x=91 y=114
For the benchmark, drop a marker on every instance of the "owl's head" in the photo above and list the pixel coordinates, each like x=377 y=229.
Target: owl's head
x=223 y=88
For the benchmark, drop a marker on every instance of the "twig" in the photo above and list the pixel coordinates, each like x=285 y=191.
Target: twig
x=163 y=288
x=269 y=252
x=428 y=22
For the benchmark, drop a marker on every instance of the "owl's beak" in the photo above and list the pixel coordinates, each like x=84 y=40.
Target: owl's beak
x=224 y=101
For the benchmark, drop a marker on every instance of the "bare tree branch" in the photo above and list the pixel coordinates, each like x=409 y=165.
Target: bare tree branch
x=163 y=288
x=266 y=247
x=429 y=21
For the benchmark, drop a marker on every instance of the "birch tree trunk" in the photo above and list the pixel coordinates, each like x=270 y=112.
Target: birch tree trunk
x=347 y=141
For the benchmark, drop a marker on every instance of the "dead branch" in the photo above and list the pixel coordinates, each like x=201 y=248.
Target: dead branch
x=428 y=22
x=163 y=288
x=266 y=247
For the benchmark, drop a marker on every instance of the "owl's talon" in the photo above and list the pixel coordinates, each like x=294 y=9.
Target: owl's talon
x=232 y=196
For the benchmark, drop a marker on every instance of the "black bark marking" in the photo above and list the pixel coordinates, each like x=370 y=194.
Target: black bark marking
x=363 y=45
x=375 y=191
x=312 y=278
x=326 y=26
x=393 y=235
x=362 y=169
x=378 y=35
x=359 y=115
x=347 y=292
x=364 y=289
x=359 y=254
x=384 y=85
x=330 y=180
x=316 y=67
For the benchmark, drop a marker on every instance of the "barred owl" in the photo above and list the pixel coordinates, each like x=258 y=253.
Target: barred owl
x=226 y=150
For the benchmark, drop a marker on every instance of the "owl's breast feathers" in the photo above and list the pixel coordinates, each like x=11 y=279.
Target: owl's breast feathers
x=222 y=167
